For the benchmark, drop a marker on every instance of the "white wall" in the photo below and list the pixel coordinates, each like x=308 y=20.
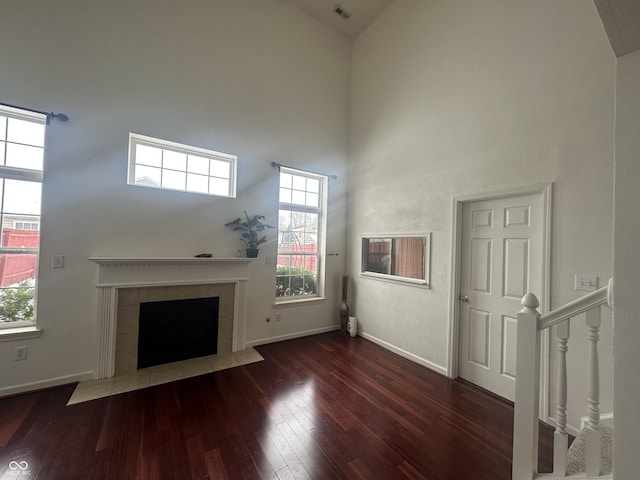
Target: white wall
x=626 y=265
x=256 y=78
x=463 y=97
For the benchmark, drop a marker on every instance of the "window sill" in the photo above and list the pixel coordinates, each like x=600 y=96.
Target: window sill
x=19 y=333
x=298 y=302
x=414 y=282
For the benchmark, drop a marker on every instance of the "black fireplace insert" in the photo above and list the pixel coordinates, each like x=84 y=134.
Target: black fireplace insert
x=174 y=330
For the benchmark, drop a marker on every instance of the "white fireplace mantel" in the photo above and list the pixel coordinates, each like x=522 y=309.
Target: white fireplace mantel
x=129 y=272
x=146 y=271
x=114 y=261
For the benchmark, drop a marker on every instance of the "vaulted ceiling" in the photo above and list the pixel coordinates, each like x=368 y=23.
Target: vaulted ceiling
x=621 y=18
x=361 y=13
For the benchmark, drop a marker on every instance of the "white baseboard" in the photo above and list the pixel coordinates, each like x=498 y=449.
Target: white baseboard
x=387 y=346
x=571 y=429
x=605 y=419
x=42 y=384
x=290 y=336
x=403 y=353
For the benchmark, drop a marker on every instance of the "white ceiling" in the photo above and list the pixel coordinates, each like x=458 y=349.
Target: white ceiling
x=363 y=12
x=621 y=20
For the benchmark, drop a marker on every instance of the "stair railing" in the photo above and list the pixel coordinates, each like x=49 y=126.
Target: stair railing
x=525 y=426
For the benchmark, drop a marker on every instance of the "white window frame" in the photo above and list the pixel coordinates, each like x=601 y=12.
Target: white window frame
x=136 y=139
x=16 y=173
x=321 y=237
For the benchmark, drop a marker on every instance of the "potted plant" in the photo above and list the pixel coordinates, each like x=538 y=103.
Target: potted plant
x=252 y=228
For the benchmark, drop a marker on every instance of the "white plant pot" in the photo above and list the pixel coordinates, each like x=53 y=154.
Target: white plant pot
x=352 y=326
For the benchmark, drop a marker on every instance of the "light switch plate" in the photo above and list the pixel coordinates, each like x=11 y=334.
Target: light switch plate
x=57 y=261
x=585 y=283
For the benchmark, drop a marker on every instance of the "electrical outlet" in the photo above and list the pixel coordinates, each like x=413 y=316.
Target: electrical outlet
x=20 y=353
x=277 y=316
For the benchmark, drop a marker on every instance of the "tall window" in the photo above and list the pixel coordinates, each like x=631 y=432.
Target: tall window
x=21 y=164
x=301 y=234
x=173 y=166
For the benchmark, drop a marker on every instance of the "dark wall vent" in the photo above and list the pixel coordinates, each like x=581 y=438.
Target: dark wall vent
x=338 y=10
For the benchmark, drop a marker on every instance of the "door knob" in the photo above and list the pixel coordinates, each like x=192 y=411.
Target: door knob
x=464 y=298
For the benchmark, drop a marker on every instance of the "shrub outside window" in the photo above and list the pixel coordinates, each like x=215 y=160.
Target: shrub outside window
x=301 y=235
x=22 y=137
x=168 y=165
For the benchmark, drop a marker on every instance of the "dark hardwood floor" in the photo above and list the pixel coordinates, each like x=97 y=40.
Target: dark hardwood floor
x=326 y=406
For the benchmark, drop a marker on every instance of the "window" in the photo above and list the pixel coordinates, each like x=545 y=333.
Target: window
x=173 y=166
x=402 y=258
x=301 y=234
x=21 y=164
x=26 y=225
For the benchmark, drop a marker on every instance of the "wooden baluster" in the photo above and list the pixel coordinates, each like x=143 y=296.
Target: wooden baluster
x=593 y=437
x=560 y=437
x=525 y=417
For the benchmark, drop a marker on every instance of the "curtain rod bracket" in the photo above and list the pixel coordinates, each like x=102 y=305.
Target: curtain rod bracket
x=58 y=116
x=48 y=115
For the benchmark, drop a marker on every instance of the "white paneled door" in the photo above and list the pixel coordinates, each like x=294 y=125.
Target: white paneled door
x=501 y=256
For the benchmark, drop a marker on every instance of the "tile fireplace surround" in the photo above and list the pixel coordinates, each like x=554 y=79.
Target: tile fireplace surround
x=125 y=282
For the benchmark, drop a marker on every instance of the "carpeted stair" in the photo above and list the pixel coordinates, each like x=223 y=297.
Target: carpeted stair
x=576 y=458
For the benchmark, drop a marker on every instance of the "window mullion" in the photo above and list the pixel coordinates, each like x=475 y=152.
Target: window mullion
x=18 y=251
x=299 y=208
x=14 y=173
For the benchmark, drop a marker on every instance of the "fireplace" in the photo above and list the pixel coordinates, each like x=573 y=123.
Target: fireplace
x=132 y=301
x=174 y=330
x=124 y=284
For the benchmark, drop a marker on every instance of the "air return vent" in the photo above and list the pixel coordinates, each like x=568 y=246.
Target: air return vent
x=338 y=10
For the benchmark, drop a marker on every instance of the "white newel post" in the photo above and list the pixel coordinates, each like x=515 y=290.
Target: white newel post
x=593 y=435
x=560 y=437
x=525 y=422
